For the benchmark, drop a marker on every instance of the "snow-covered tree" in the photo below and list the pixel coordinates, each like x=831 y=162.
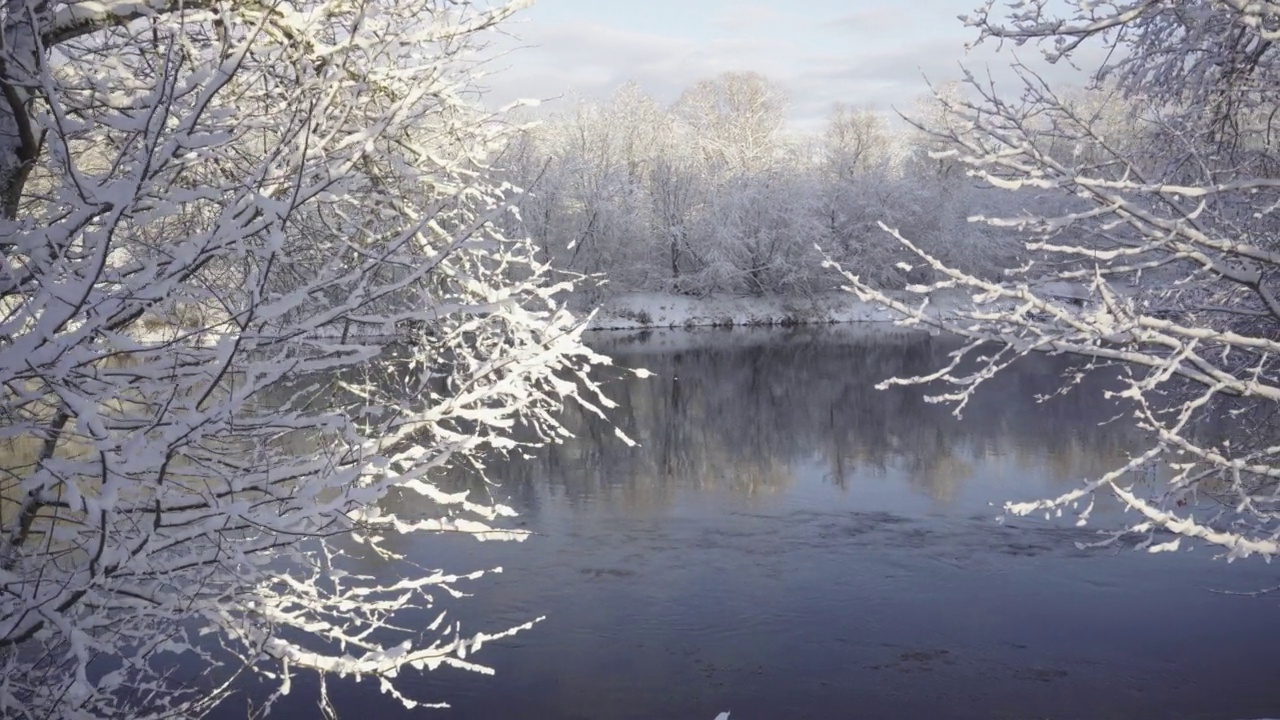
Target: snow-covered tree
x=675 y=193
x=736 y=119
x=209 y=207
x=752 y=233
x=587 y=174
x=1159 y=261
x=860 y=182
x=711 y=195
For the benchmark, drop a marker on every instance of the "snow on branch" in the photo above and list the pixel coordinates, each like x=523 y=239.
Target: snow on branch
x=1163 y=234
x=212 y=453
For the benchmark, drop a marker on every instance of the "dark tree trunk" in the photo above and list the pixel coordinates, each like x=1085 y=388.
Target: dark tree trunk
x=20 y=140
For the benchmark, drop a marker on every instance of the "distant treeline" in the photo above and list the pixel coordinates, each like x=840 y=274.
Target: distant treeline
x=711 y=194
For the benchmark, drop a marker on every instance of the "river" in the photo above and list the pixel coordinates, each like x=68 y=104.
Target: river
x=788 y=542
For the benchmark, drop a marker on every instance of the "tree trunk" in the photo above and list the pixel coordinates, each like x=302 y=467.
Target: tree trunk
x=676 y=239
x=20 y=140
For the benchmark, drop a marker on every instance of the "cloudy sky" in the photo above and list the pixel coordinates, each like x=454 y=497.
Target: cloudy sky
x=867 y=53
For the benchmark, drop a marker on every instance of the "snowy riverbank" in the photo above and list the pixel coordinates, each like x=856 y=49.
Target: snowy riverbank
x=663 y=311
x=635 y=311
x=638 y=311
x=641 y=311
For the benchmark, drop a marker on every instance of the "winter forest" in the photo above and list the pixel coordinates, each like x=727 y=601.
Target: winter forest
x=714 y=195
x=287 y=308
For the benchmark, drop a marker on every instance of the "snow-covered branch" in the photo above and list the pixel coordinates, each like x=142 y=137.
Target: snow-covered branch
x=1162 y=267
x=209 y=454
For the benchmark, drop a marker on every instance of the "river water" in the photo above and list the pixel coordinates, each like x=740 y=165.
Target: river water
x=789 y=542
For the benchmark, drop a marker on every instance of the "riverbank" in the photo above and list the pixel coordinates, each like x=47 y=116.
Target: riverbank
x=665 y=311
x=653 y=310
x=642 y=311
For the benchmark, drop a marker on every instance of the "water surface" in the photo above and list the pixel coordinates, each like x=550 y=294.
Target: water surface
x=788 y=542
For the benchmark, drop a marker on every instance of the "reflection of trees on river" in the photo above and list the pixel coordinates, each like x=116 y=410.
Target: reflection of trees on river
x=743 y=418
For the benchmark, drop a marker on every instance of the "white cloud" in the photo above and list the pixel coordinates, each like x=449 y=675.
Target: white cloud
x=876 y=55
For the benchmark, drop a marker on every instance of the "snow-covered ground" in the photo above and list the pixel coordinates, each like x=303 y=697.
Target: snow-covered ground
x=664 y=341
x=635 y=311
x=655 y=311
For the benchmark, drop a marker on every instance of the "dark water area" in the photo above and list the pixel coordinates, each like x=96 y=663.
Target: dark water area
x=789 y=542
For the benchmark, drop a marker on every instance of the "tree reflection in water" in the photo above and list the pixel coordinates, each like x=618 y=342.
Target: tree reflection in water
x=739 y=411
